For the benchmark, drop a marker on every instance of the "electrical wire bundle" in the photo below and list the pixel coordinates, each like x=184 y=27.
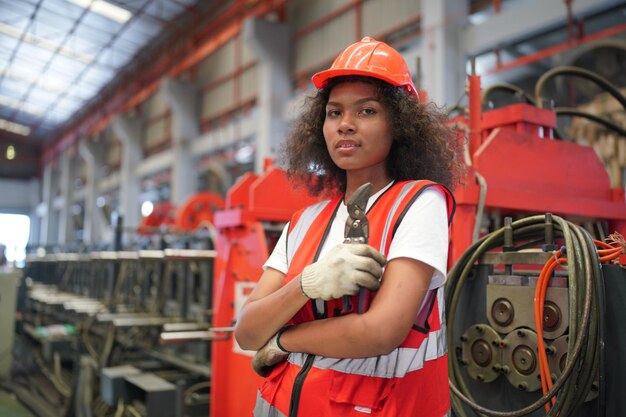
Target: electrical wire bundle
x=585 y=358
x=607 y=253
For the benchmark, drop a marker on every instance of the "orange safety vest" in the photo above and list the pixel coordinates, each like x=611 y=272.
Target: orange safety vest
x=411 y=380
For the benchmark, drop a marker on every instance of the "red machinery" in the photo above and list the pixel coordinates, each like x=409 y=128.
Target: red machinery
x=257 y=207
x=195 y=212
x=521 y=169
x=198 y=210
x=162 y=216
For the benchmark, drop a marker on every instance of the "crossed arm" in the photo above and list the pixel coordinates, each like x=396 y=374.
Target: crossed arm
x=377 y=331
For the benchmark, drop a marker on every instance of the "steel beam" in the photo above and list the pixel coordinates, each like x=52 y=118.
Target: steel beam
x=526 y=19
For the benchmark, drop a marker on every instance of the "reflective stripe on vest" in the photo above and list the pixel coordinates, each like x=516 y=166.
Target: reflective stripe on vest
x=395 y=364
x=304 y=222
x=264 y=409
x=392 y=214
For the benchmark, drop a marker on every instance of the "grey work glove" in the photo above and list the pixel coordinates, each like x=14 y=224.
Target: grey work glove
x=345 y=269
x=268 y=356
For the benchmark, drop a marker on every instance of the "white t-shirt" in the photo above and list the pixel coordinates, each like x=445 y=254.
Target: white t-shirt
x=422 y=235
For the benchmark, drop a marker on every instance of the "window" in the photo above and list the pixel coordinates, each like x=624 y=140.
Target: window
x=14 y=233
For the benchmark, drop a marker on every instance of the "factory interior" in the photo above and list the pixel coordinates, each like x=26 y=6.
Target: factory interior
x=141 y=192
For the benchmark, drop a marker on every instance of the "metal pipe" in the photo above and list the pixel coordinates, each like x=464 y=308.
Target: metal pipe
x=191 y=336
x=192 y=367
x=179 y=327
x=553 y=50
x=475 y=110
x=358 y=19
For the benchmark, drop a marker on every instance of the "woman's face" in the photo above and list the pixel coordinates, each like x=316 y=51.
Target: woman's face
x=357 y=128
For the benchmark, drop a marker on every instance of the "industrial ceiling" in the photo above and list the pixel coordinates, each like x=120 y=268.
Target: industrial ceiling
x=56 y=56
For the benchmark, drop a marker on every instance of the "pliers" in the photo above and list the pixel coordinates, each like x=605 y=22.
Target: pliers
x=357 y=228
x=357 y=231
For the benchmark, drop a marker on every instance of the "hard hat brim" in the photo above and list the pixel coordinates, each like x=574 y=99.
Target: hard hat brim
x=321 y=78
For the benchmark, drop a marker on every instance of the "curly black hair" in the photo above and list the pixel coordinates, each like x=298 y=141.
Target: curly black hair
x=424 y=146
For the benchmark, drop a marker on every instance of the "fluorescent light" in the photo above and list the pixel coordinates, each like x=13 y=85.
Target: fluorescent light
x=14 y=127
x=146 y=208
x=53 y=87
x=245 y=154
x=10 y=153
x=106 y=9
x=46 y=44
x=21 y=106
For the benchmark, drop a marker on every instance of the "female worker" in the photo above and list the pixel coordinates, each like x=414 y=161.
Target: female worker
x=381 y=352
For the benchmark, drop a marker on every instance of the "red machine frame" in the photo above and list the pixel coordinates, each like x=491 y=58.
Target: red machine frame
x=242 y=247
x=527 y=171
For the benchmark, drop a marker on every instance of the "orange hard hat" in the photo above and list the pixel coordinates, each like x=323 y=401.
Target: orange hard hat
x=370 y=58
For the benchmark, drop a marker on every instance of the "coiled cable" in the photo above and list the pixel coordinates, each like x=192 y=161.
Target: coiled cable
x=582 y=363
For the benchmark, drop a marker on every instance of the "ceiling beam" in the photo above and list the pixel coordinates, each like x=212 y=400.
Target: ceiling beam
x=551 y=51
x=136 y=89
x=31 y=19
x=525 y=19
x=88 y=66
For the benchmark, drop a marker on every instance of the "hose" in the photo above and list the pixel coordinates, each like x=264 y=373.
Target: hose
x=108 y=346
x=133 y=411
x=457 y=108
x=482 y=183
x=567 y=111
x=84 y=335
x=578 y=72
x=119 y=411
x=119 y=282
x=484 y=98
x=584 y=347
x=60 y=385
x=194 y=388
